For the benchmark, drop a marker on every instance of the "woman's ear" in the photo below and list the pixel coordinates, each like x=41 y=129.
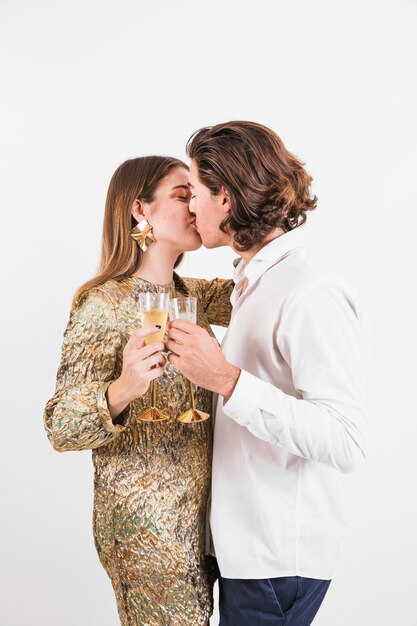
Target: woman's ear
x=137 y=210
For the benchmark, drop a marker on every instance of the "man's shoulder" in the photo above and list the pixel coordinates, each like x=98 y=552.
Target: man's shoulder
x=301 y=276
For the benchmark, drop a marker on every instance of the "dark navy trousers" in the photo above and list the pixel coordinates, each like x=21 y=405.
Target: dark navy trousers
x=287 y=601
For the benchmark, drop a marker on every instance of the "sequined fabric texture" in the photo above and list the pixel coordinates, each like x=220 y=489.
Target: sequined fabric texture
x=151 y=480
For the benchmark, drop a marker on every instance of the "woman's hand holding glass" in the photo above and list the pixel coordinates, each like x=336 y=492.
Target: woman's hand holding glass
x=142 y=364
x=154 y=309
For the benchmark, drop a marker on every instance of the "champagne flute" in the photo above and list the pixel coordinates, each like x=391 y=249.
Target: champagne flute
x=186 y=309
x=154 y=311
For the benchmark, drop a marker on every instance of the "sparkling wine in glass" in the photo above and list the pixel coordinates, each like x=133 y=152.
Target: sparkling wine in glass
x=186 y=309
x=154 y=311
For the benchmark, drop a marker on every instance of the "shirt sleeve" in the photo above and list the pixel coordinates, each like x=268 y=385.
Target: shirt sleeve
x=320 y=338
x=77 y=416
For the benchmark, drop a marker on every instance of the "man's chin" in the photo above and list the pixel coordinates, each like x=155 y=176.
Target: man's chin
x=194 y=247
x=208 y=244
x=212 y=244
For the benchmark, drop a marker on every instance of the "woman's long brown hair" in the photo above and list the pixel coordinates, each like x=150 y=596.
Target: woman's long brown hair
x=120 y=254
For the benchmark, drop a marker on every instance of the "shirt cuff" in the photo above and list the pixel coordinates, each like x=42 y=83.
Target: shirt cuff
x=245 y=399
x=104 y=413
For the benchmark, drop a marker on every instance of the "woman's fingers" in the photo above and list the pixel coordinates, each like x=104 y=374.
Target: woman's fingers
x=155 y=373
x=152 y=348
x=154 y=359
x=144 y=358
x=137 y=338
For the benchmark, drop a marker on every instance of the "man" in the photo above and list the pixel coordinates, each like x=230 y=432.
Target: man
x=290 y=381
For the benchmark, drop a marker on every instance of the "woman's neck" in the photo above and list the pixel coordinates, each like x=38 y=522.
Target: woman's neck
x=157 y=265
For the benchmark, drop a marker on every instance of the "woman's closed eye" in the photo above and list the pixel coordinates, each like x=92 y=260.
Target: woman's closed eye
x=183 y=198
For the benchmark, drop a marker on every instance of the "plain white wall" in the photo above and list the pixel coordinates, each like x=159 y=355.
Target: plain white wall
x=87 y=84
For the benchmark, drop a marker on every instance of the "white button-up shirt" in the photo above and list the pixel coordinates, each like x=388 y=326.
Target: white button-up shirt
x=295 y=423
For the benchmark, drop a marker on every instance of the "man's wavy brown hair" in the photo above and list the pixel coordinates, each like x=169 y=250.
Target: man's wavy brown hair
x=268 y=186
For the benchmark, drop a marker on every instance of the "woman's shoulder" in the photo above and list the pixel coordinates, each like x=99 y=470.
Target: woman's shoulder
x=116 y=291
x=108 y=294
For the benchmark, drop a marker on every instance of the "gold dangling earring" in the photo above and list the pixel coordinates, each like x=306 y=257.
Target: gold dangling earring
x=142 y=233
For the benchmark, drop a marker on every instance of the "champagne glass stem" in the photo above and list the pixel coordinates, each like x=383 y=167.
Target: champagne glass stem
x=153 y=393
x=190 y=387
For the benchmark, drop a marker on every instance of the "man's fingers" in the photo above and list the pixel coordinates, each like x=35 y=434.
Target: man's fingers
x=178 y=335
x=173 y=346
x=174 y=359
x=183 y=325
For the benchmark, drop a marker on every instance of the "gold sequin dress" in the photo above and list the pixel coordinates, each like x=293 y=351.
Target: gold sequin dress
x=151 y=480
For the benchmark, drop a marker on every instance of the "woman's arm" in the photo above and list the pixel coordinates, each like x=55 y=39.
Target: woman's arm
x=77 y=417
x=214 y=296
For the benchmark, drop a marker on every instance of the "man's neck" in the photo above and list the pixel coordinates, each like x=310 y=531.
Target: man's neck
x=248 y=255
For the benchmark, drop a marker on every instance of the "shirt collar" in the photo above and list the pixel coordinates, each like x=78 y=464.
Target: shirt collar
x=272 y=253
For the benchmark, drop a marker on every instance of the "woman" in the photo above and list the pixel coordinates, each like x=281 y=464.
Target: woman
x=151 y=478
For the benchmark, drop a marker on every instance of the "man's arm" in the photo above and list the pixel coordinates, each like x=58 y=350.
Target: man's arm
x=320 y=338
x=199 y=357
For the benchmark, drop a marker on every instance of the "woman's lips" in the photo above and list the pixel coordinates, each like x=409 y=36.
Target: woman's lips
x=196 y=229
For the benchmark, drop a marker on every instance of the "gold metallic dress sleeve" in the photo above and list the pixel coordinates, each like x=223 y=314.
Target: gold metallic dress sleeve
x=77 y=417
x=151 y=480
x=214 y=297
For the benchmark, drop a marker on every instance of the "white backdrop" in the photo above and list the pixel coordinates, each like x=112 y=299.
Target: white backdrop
x=87 y=84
